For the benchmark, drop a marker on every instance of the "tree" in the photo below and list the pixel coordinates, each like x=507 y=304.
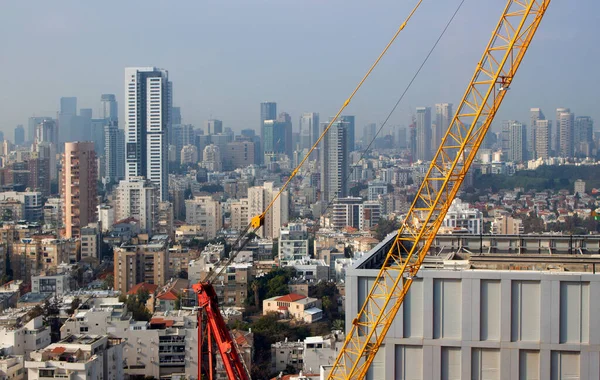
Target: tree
x=326 y=303
x=255 y=288
x=109 y=282
x=338 y=324
x=384 y=227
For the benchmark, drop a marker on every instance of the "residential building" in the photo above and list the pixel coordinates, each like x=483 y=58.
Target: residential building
x=79 y=186
x=205 y=212
x=507 y=225
x=20 y=334
x=244 y=341
x=293 y=244
x=376 y=189
x=311 y=269
x=79 y=357
x=106 y=217
x=443 y=118
x=286 y=353
x=56 y=285
x=536 y=115
x=461 y=217
x=39 y=173
x=321 y=351
x=579 y=187
x=148 y=99
x=189 y=155
x=565 y=131
x=12 y=367
x=114 y=152
x=211 y=158
x=423 y=137
x=91 y=240
x=239 y=214
x=514 y=136
x=31 y=201
x=584 y=136
x=334 y=161
x=356 y=213
x=258 y=199
x=294 y=306
x=165 y=220
x=543 y=139
x=138 y=198
x=238 y=154
x=135 y=263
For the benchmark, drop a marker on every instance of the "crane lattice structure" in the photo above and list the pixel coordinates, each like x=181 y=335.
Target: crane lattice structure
x=480 y=103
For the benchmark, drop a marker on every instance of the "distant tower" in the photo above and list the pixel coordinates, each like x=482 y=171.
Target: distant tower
x=213 y=126
x=351 y=135
x=565 y=125
x=148 y=99
x=536 y=114
x=114 y=142
x=309 y=129
x=543 y=139
x=443 y=118
x=584 y=136
x=423 y=134
x=516 y=138
x=79 y=186
x=335 y=163
x=109 y=109
x=268 y=111
x=19 y=135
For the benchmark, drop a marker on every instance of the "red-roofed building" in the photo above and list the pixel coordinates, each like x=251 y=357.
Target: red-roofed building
x=295 y=306
x=151 y=288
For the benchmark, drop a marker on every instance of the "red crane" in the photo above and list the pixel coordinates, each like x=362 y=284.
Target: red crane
x=216 y=330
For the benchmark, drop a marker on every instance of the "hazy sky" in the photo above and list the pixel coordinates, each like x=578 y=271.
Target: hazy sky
x=225 y=57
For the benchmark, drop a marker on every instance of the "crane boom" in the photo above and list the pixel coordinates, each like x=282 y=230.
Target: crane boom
x=492 y=78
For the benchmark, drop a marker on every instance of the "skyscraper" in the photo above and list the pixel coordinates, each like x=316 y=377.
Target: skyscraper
x=543 y=139
x=443 y=118
x=147 y=122
x=565 y=125
x=584 y=136
x=109 y=109
x=32 y=125
x=423 y=134
x=66 y=119
x=176 y=115
x=335 y=164
x=309 y=129
x=536 y=114
x=19 y=135
x=114 y=157
x=268 y=111
x=515 y=135
x=285 y=121
x=350 y=128
x=213 y=126
x=79 y=186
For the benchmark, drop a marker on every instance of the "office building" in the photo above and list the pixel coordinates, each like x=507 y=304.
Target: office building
x=584 y=136
x=334 y=161
x=19 y=135
x=501 y=316
x=423 y=137
x=114 y=153
x=213 y=126
x=32 y=125
x=39 y=173
x=536 y=114
x=258 y=199
x=79 y=176
x=369 y=132
x=238 y=154
x=108 y=107
x=275 y=136
x=285 y=122
x=309 y=129
x=443 y=118
x=147 y=121
x=268 y=111
x=350 y=120
x=138 y=198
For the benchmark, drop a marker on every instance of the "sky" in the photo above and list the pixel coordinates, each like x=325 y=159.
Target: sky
x=225 y=57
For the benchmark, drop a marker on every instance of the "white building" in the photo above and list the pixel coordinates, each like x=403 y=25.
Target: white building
x=138 y=198
x=56 y=285
x=149 y=89
x=293 y=243
x=211 y=158
x=12 y=367
x=311 y=269
x=239 y=214
x=32 y=200
x=79 y=357
x=493 y=323
x=53 y=209
x=189 y=154
x=259 y=197
x=20 y=335
x=579 y=187
x=106 y=217
x=204 y=212
x=376 y=188
x=334 y=161
x=356 y=213
x=462 y=217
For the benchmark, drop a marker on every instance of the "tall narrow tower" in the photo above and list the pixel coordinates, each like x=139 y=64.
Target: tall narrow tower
x=148 y=99
x=443 y=118
x=79 y=187
x=423 y=133
x=335 y=163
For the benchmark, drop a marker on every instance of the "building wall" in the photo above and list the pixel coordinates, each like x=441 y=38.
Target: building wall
x=79 y=186
x=488 y=325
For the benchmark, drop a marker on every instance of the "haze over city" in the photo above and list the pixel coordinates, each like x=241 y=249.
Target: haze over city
x=224 y=58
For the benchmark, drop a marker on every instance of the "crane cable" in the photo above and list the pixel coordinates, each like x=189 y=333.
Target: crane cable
x=257 y=221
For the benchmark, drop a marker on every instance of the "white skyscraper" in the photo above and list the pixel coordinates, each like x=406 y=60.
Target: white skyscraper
x=424 y=133
x=335 y=163
x=148 y=99
x=309 y=129
x=443 y=118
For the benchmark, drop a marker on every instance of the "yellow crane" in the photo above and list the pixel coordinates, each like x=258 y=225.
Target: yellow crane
x=492 y=79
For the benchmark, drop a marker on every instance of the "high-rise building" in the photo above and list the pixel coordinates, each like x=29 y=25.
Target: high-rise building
x=584 y=136
x=334 y=161
x=286 y=122
x=515 y=137
x=565 y=128
x=309 y=129
x=147 y=121
x=39 y=173
x=275 y=136
x=535 y=115
x=66 y=119
x=32 y=125
x=213 y=126
x=109 y=109
x=79 y=176
x=176 y=115
x=268 y=111
x=369 y=132
x=19 y=135
x=46 y=131
x=205 y=212
x=211 y=158
x=138 y=198
x=423 y=129
x=543 y=139
x=350 y=128
x=443 y=118
x=258 y=199
x=114 y=152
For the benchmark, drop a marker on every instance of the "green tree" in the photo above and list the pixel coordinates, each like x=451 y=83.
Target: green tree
x=384 y=227
x=109 y=282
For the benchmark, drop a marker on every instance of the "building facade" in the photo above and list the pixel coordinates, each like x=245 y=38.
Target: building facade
x=334 y=161
x=79 y=187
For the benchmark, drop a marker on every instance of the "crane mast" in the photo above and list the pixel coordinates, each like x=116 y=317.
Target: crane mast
x=492 y=78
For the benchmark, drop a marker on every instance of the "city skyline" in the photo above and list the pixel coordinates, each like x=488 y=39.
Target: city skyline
x=221 y=86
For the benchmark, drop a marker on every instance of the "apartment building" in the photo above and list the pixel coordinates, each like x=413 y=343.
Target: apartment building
x=20 y=334
x=294 y=306
x=135 y=263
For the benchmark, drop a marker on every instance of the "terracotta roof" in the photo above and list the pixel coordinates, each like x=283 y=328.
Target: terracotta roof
x=151 y=288
x=292 y=297
x=58 y=350
x=160 y=321
x=168 y=296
